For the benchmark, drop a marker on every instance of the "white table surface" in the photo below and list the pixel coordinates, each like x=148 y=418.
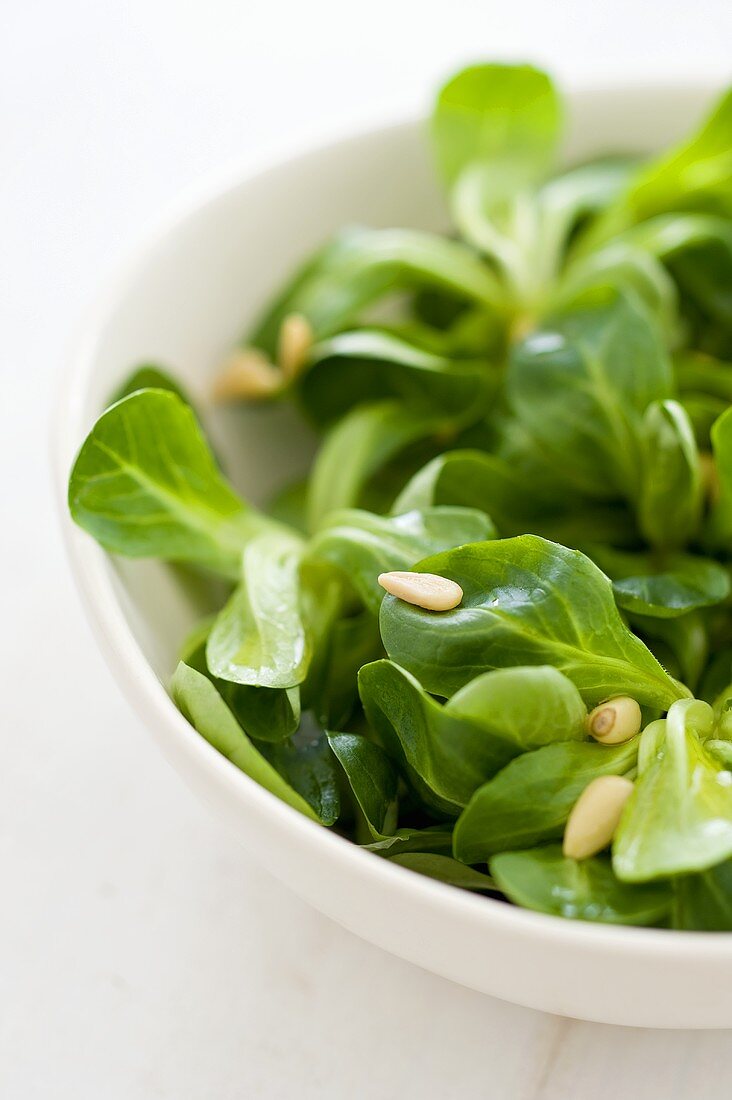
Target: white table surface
x=143 y=953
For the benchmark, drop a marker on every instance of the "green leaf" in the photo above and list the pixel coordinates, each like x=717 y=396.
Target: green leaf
x=662 y=586
x=680 y=644
x=307 y=764
x=670 y=471
x=696 y=175
x=719 y=532
x=505 y=116
x=198 y=700
x=528 y=802
x=448 y=751
x=544 y=880
x=264 y=714
x=148 y=377
x=332 y=690
x=363 y=545
x=372 y=778
x=259 y=637
x=526 y=601
x=474 y=479
x=623 y=264
x=357 y=448
x=703 y=902
x=146 y=485
x=679 y=818
x=444 y=869
x=359 y=266
x=368 y=365
x=697 y=250
x=581 y=384
x=374 y=783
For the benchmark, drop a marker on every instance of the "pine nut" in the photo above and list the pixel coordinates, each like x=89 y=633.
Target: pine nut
x=247 y=375
x=595 y=816
x=614 y=721
x=293 y=345
x=426 y=590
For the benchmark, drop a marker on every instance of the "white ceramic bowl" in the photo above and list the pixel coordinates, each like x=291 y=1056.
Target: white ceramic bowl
x=183 y=301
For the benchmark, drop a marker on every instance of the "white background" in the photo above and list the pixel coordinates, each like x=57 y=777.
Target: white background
x=143 y=954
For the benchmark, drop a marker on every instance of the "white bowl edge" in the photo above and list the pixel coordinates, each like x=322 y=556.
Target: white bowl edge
x=641 y=977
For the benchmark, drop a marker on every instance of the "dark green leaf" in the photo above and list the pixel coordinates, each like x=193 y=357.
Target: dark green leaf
x=264 y=714
x=448 y=751
x=372 y=778
x=369 y=365
x=703 y=902
x=444 y=869
x=307 y=764
x=664 y=586
x=526 y=601
x=544 y=880
x=357 y=448
x=581 y=384
x=529 y=801
x=363 y=545
x=670 y=472
x=360 y=266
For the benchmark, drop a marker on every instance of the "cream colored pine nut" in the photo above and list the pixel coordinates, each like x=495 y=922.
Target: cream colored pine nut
x=293 y=345
x=614 y=721
x=595 y=816
x=247 y=375
x=426 y=590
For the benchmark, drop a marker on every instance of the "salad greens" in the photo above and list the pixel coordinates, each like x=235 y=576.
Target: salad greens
x=532 y=411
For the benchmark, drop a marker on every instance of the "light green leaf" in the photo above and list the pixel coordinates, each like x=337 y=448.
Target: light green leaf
x=679 y=819
x=357 y=448
x=146 y=485
x=259 y=637
x=198 y=700
x=505 y=116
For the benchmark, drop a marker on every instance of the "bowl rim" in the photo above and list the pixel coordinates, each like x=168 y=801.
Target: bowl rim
x=93 y=575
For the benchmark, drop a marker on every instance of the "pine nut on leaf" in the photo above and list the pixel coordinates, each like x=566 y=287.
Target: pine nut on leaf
x=247 y=375
x=427 y=590
x=294 y=344
x=614 y=721
x=595 y=816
